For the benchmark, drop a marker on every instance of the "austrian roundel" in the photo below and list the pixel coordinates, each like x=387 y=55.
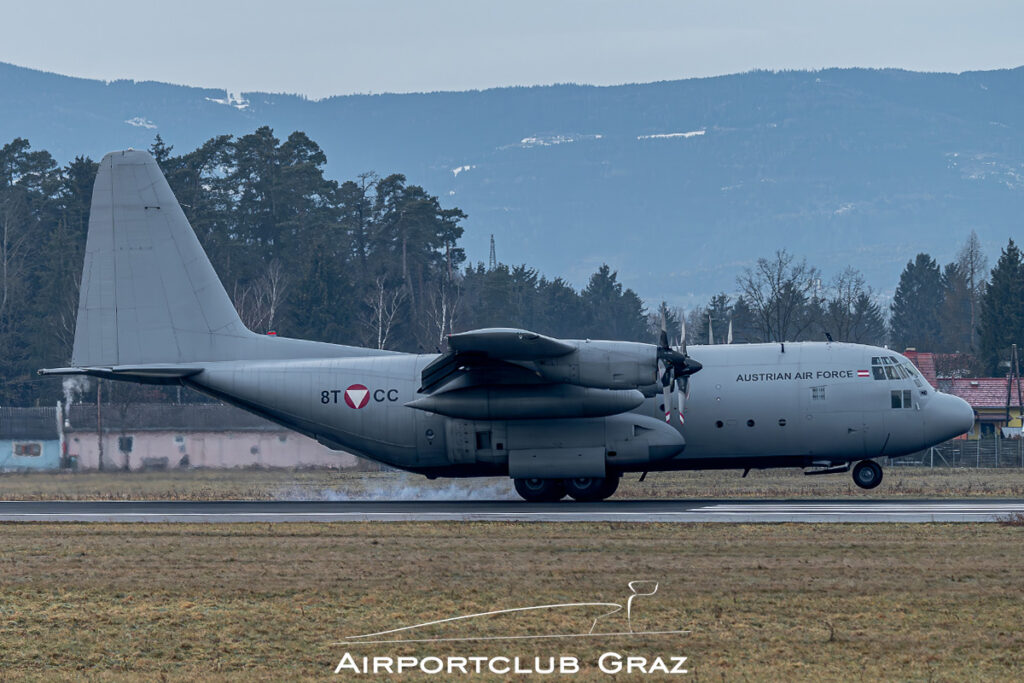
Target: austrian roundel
x=357 y=396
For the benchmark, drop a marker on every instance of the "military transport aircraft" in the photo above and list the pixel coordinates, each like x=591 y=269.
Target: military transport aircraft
x=560 y=417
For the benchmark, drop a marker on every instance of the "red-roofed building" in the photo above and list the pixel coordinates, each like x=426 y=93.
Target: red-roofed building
x=987 y=395
x=925 y=363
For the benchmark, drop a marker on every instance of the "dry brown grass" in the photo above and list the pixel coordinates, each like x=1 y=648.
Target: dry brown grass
x=267 y=602
x=245 y=484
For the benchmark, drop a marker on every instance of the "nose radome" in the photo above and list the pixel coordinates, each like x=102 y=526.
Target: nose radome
x=965 y=416
x=951 y=417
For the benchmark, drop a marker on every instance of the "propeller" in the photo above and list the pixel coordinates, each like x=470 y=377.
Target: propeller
x=675 y=367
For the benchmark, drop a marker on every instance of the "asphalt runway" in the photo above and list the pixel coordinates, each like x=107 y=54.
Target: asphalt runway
x=566 y=511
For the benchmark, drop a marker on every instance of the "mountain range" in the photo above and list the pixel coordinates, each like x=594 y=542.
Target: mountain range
x=677 y=185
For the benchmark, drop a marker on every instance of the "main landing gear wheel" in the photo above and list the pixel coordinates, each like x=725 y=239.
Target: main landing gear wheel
x=590 y=489
x=867 y=474
x=540 y=490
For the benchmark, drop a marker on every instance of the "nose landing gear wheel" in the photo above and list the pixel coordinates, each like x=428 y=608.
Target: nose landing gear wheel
x=867 y=474
x=590 y=489
x=540 y=490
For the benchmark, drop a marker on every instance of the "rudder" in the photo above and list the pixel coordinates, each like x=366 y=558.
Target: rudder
x=149 y=293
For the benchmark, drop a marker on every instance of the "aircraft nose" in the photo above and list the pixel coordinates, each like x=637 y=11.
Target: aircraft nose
x=949 y=416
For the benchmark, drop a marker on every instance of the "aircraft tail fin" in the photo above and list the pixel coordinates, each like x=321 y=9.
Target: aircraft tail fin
x=149 y=293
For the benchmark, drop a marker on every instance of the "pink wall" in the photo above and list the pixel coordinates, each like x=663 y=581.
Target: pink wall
x=210 y=449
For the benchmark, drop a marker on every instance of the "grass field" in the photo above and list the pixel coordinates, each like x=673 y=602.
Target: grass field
x=245 y=484
x=269 y=602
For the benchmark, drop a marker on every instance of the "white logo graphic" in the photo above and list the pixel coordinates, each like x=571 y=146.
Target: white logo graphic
x=637 y=589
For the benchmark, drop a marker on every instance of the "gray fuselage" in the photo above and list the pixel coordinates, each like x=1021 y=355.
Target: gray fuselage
x=752 y=405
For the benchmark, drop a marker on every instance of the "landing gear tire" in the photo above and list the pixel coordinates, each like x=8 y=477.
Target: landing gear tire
x=540 y=490
x=867 y=474
x=591 y=489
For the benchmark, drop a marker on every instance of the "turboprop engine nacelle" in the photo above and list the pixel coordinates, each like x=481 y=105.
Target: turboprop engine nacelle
x=540 y=401
x=604 y=365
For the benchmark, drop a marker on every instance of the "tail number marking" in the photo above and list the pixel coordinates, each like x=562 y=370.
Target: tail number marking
x=357 y=396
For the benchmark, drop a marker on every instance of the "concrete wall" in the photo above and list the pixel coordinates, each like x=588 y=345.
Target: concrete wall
x=207 y=449
x=48 y=458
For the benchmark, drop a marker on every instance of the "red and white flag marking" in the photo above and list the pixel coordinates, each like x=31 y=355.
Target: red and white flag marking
x=357 y=396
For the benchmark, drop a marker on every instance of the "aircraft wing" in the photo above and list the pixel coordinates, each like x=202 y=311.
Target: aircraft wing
x=509 y=344
x=491 y=353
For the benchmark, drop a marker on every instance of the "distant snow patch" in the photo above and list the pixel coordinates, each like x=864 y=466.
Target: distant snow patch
x=460 y=169
x=232 y=100
x=140 y=122
x=548 y=141
x=665 y=136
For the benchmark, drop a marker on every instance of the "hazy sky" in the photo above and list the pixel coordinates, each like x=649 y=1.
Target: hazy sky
x=327 y=47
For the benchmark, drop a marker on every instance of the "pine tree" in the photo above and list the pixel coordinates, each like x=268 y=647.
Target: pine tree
x=955 y=316
x=917 y=306
x=1002 y=310
x=613 y=312
x=716 y=315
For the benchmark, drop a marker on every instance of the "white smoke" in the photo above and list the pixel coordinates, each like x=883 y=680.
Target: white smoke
x=75 y=387
x=404 y=487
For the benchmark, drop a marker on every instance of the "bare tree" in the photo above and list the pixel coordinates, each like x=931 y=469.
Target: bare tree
x=14 y=246
x=67 y=316
x=259 y=302
x=382 y=306
x=780 y=293
x=850 y=314
x=973 y=264
x=442 y=306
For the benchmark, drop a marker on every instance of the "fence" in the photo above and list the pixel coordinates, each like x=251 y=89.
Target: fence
x=994 y=452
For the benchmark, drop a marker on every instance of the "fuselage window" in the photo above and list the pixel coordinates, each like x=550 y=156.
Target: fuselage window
x=902 y=398
x=878 y=372
x=817 y=393
x=890 y=372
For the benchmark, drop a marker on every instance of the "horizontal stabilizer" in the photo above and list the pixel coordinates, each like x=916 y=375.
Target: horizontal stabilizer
x=146 y=374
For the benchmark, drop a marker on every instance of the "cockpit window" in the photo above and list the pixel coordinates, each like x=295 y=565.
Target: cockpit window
x=888 y=367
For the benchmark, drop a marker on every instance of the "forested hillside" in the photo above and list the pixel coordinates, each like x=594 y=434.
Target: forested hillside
x=378 y=261
x=676 y=185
